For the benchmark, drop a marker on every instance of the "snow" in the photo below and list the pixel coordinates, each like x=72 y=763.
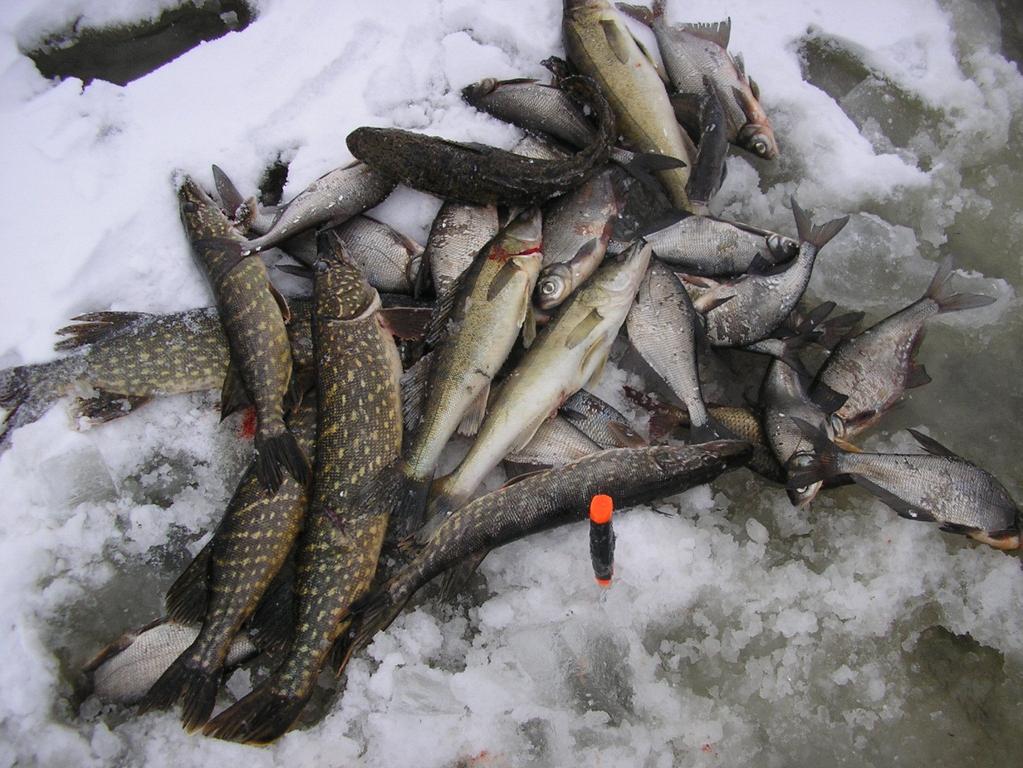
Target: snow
x=739 y=630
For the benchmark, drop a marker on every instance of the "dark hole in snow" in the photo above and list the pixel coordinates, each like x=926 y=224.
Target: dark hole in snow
x=122 y=53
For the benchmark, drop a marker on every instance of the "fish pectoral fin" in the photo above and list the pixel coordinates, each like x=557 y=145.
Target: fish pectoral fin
x=618 y=39
x=846 y=446
x=504 y=275
x=931 y=445
x=529 y=325
x=105 y=406
x=187 y=598
x=282 y=302
x=740 y=66
x=407 y=323
x=473 y=417
x=713 y=300
x=583 y=329
x=827 y=399
x=902 y=507
x=917 y=376
x=233 y=396
x=413 y=384
x=754 y=87
x=718 y=33
x=625 y=436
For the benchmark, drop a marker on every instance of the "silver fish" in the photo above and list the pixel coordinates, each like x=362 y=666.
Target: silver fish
x=458 y=233
x=555 y=443
x=600 y=421
x=389 y=260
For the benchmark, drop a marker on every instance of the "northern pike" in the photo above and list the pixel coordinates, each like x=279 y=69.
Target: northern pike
x=248 y=549
x=600 y=45
x=358 y=439
x=254 y=317
x=478 y=174
x=576 y=231
x=938 y=486
x=545 y=500
x=700 y=245
x=747 y=309
x=692 y=52
x=490 y=305
x=332 y=199
x=568 y=353
x=664 y=328
x=875 y=368
x=457 y=234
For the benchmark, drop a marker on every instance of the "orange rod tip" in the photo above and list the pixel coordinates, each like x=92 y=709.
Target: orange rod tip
x=601 y=508
x=604 y=583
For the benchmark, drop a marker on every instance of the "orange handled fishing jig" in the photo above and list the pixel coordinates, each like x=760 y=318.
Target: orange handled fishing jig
x=602 y=539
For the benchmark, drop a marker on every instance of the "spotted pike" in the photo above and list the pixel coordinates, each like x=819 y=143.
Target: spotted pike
x=875 y=368
x=545 y=500
x=458 y=233
x=330 y=200
x=254 y=315
x=490 y=306
x=692 y=52
x=701 y=245
x=481 y=175
x=358 y=439
x=248 y=549
x=747 y=309
x=567 y=354
x=600 y=45
x=938 y=487
x=576 y=231
x=663 y=327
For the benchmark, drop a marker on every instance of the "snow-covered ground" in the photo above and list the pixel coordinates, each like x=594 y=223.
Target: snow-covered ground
x=740 y=631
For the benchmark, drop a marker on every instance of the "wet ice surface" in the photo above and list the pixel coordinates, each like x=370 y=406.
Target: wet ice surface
x=739 y=631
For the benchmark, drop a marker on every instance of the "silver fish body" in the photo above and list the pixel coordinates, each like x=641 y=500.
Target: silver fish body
x=458 y=233
x=533 y=106
x=555 y=443
x=700 y=245
x=389 y=260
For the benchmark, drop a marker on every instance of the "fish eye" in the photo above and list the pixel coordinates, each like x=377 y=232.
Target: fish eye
x=760 y=147
x=549 y=287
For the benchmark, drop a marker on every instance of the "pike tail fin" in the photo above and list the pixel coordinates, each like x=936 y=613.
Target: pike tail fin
x=952 y=302
x=185 y=681
x=818 y=237
x=410 y=511
x=262 y=716
x=279 y=451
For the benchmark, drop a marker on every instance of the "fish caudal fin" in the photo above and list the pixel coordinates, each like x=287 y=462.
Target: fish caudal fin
x=276 y=452
x=952 y=302
x=188 y=596
x=806 y=469
x=259 y=718
x=196 y=688
x=812 y=235
x=26 y=393
x=410 y=510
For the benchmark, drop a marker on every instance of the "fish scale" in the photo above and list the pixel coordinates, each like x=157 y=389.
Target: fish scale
x=358 y=437
x=703 y=246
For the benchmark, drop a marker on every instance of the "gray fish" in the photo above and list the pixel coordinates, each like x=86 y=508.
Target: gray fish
x=555 y=444
x=938 y=487
x=576 y=231
x=600 y=421
x=663 y=327
x=330 y=200
x=692 y=52
x=876 y=367
x=745 y=310
x=389 y=260
x=545 y=500
x=458 y=233
x=701 y=245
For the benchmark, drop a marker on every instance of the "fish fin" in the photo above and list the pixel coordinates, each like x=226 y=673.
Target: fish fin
x=708 y=169
x=917 y=376
x=618 y=39
x=230 y=198
x=410 y=508
x=233 y=396
x=371 y=614
x=187 y=597
x=407 y=323
x=827 y=399
x=598 y=349
x=823 y=464
x=831 y=332
x=95 y=326
x=952 y=302
x=474 y=414
x=713 y=299
x=657 y=66
x=414 y=384
x=815 y=236
x=282 y=303
x=901 y=506
x=272 y=624
x=529 y=325
x=455 y=579
x=740 y=66
x=846 y=446
x=663 y=423
x=642 y=166
x=959 y=528
x=504 y=275
x=298 y=270
x=276 y=451
x=931 y=445
x=443 y=307
x=105 y=406
x=640 y=13
x=686 y=107
x=583 y=329
x=754 y=88
x=196 y=688
x=718 y=33
x=712 y=430
x=625 y=436
x=259 y=718
x=530 y=432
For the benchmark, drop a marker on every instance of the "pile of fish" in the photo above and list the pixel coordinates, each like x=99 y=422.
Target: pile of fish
x=536 y=261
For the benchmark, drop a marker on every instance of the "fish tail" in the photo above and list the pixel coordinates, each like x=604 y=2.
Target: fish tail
x=410 y=509
x=804 y=469
x=26 y=393
x=185 y=681
x=641 y=13
x=276 y=451
x=712 y=430
x=812 y=235
x=374 y=613
x=259 y=718
x=952 y=302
